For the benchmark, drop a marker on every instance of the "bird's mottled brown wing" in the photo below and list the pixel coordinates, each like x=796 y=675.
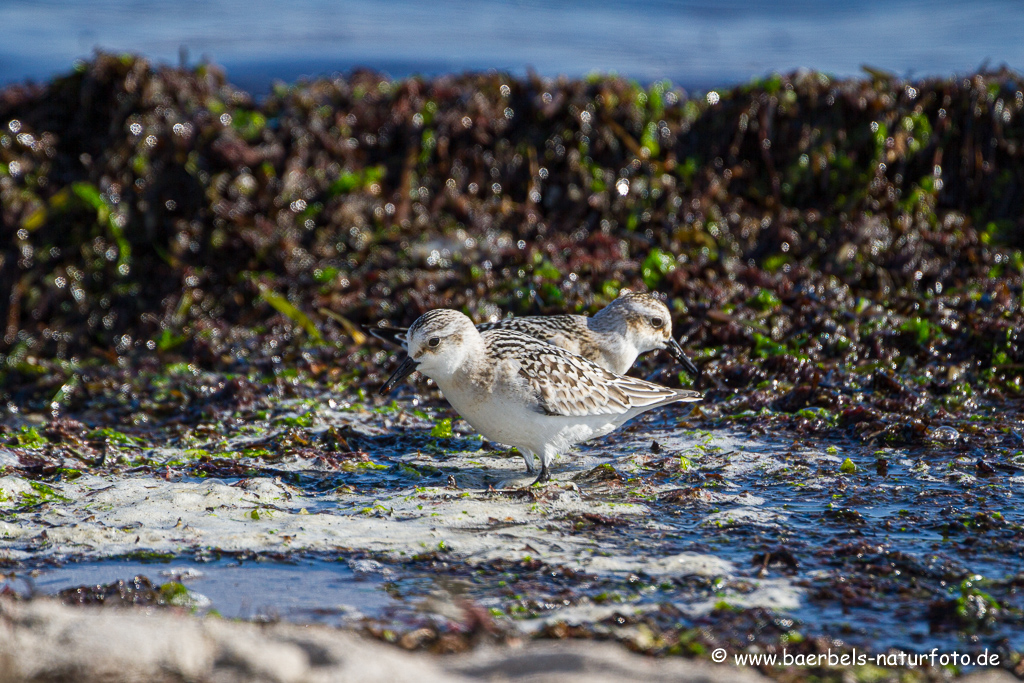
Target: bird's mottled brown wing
x=570 y=332
x=541 y=327
x=566 y=384
x=550 y=328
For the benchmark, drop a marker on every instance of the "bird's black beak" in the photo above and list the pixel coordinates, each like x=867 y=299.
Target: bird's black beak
x=677 y=351
x=407 y=367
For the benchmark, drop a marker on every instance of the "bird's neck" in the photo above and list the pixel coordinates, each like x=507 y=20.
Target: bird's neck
x=604 y=324
x=617 y=348
x=472 y=369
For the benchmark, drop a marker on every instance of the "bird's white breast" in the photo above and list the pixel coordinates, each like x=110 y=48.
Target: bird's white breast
x=505 y=415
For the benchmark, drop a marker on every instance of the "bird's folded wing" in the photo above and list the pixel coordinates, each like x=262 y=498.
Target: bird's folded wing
x=542 y=327
x=565 y=384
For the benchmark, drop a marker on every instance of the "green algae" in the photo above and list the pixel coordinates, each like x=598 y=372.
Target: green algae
x=442 y=429
x=29 y=437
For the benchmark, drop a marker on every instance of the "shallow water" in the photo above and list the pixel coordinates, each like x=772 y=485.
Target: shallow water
x=305 y=590
x=693 y=42
x=875 y=558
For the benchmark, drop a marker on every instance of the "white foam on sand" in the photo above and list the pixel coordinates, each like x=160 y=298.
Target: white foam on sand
x=104 y=516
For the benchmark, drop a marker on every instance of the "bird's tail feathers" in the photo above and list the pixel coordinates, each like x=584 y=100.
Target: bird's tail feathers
x=389 y=334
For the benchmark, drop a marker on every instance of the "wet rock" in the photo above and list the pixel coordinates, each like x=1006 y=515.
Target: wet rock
x=138 y=591
x=779 y=557
x=600 y=474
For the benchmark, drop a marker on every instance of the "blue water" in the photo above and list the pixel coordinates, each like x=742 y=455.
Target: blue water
x=304 y=590
x=695 y=43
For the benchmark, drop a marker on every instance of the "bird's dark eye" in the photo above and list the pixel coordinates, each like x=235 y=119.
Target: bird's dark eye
x=433 y=341
x=657 y=322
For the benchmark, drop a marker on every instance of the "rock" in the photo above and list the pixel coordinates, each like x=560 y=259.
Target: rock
x=42 y=640
x=989 y=676
x=589 y=662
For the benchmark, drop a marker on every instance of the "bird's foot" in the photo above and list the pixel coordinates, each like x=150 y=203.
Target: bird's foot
x=544 y=476
x=526 y=456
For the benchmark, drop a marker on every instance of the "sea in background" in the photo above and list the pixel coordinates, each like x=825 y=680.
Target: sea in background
x=695 y=43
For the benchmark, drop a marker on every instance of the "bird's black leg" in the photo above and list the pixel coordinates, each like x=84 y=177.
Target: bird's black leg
x=544 y=475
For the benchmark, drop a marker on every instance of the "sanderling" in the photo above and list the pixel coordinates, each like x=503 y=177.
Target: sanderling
x=632 y=324
x=517 y=390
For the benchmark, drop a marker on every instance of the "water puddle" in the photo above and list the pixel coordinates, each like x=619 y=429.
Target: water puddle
x=302 y=590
